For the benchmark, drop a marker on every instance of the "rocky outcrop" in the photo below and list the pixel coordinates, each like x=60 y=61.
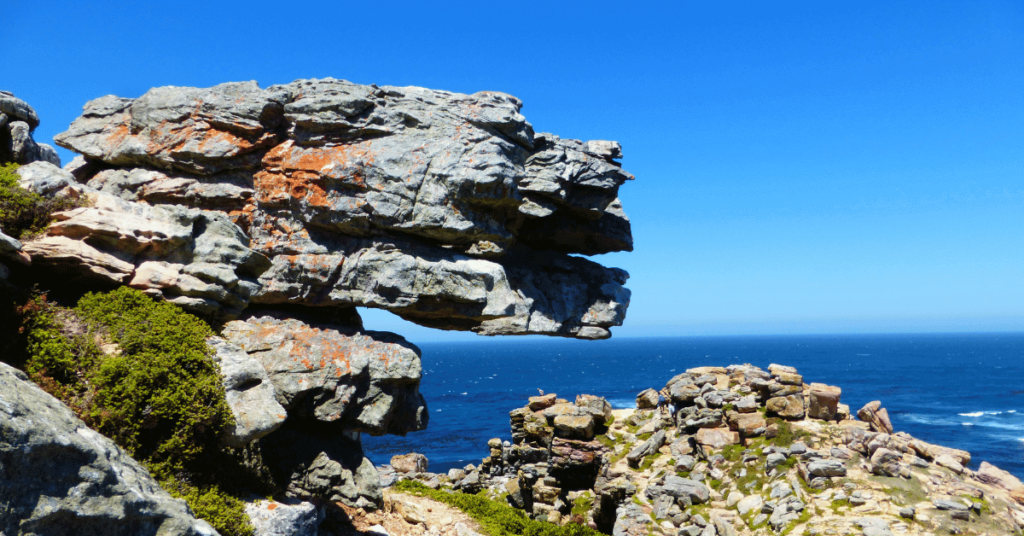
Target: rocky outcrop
x=445 y=209
x=276 y=212
x=60 y=477
x=17 y=123
x=717 y=462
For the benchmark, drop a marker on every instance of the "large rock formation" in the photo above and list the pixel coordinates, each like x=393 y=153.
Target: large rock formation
x=17 y=122
x=59 y=477
x=443 y=208
x=277 y=211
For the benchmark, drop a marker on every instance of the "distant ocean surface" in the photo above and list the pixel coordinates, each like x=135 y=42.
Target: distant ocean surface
x=962 y=390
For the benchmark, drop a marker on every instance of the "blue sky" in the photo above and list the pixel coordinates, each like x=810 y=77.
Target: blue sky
x=802 y=167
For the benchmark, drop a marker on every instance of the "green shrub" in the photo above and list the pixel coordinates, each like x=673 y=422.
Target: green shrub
x=24 y=213
x=160 y=397
x=496 y=519
x=224 y=512
x=733 y=453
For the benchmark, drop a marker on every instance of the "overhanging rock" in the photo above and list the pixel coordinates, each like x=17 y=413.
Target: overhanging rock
x=443 y=208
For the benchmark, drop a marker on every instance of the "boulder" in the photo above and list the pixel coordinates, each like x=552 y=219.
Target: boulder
x=886 y=462
x=932 y=452
x=717 y=437
x=574 y=426
x=364 y=381
x=322 y=464
x=826 y=468
x=823 y=402
x=538 y=403
x=647 y=399
x=597 y=406
x=55 y=469
x=995 y=476
x=294 y=518
x=875 y=415
x=788 y=407
x=682 y=488
x=631 y=520
x=747 y=424
x=413 y=462
x=646 y=448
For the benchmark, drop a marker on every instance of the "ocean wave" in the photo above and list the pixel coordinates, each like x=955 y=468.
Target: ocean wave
x=974 y=414
x=967 y=424
x=622 y=403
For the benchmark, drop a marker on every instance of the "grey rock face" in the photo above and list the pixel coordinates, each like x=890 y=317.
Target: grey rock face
x=631 y=520
x=362 y=381
x=272 y=518
x=55 y=470
x=322 y=464
x=17 y=121
x=682 y=488
x=443 y=208
x=249 y=392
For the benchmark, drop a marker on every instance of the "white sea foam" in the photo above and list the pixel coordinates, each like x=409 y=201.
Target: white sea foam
x=974 y=414
x=967 y=424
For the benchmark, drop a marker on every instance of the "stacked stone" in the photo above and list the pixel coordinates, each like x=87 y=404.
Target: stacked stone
x=552 y=454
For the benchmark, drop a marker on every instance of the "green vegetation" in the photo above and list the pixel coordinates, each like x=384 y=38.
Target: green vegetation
x=733 y=453
x=583 y=504
x=787 y=436
x=24 y=213
x=805 y=516
x=158 y=395
x=496 y=519
x=649 y=461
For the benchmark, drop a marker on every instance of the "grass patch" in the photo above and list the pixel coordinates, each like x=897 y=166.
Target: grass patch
x=496 y=519
x=805 y=516
x=583 y=504
x=733 y=453
x=649 y=461
x=160 y=398
x=606 y=441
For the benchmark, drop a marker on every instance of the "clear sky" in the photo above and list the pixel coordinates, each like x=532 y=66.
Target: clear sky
x=802 y=167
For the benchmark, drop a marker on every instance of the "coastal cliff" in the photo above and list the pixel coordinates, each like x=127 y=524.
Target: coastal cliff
x=188 y=286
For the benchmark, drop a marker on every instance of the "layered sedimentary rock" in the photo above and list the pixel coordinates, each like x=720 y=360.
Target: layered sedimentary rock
x=354 y=380
x=60 y=477
x=443 y=208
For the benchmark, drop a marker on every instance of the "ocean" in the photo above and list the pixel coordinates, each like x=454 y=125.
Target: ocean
x=959 y=390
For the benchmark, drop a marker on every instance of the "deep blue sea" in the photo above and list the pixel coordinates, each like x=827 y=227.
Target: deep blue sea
x=964 y=390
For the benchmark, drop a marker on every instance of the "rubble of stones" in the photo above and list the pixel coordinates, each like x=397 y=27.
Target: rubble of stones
x=732 y=451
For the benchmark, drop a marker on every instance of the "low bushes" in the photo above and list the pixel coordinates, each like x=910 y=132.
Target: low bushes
x=496 y=519
x=157 y=393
